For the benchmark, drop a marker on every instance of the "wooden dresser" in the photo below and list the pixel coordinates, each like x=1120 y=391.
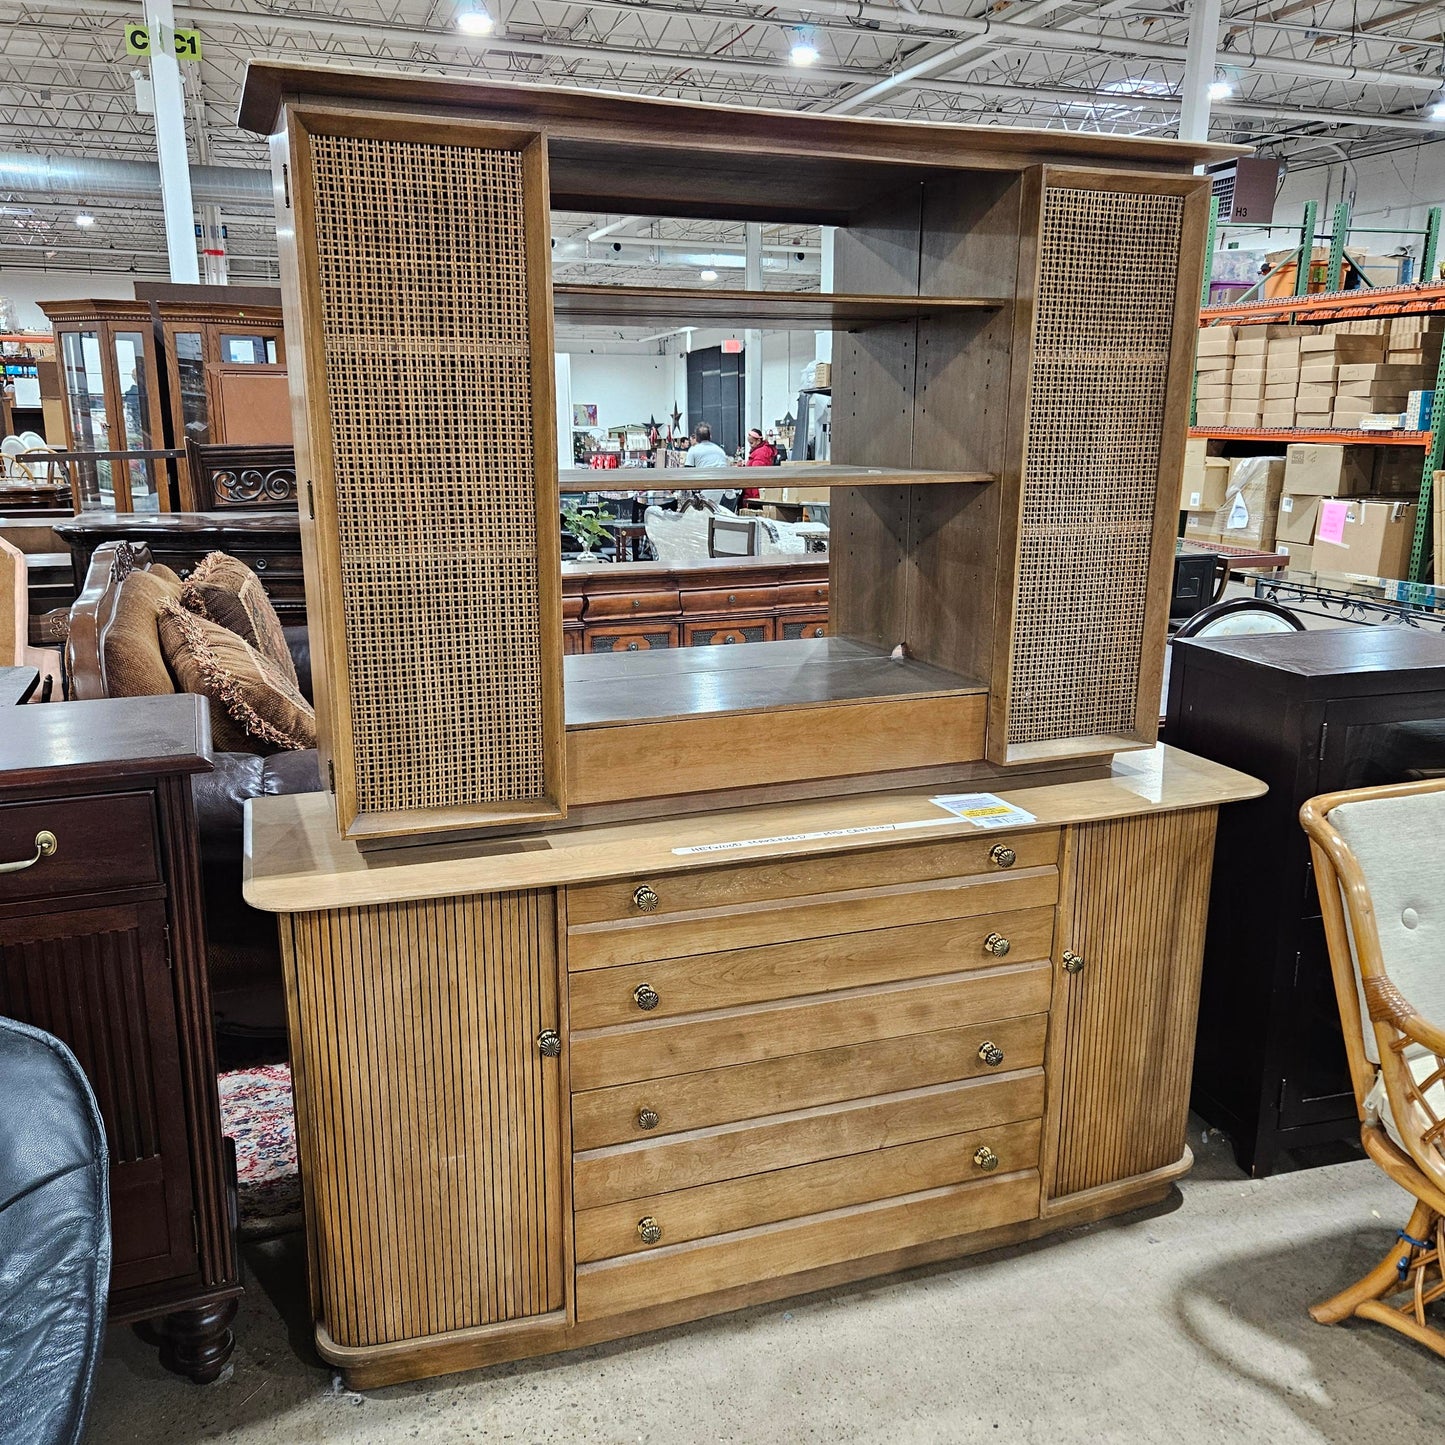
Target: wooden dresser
x=651 y=1071
x=101 y=943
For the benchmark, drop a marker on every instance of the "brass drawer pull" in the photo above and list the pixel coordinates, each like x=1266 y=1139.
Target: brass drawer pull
x=985 y=1158
x=1003 y=855
x=645 y=899
x=45 y=845
x=647 y=1118
x=646 y=997
x=549 y=1043
x=649 y=1231
x=990 y=1053
x=1072 y=962
x=996 y=944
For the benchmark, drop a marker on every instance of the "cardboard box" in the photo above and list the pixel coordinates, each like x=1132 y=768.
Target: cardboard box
x=1215 y=341
x=1280 y=391
x=1397 y=471
x=1255 y=340
x=1316 y=389
x=1205 y=393
x=1365 y=417
x=1385 y=396
x=1321 y=470
x=1319 y=410
x=1301 y=555
x=1204 y=417
x=1278 y=416
x=1204 y=490
x=1247 y=376
x=1366 y=538
x=1251 y=501
x=1212 y=364
x=1421 y=324
x=1295 y=521
x=1342 y=348
x=1425 y=364
x=1249 y=391
x=1284 y=353
x=1242 y=416
x=1387 y=372
x=1317 y=373
x=1419 y=407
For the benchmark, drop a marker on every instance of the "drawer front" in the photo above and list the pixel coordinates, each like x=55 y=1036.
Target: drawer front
x=795 y=629
x=785 y=920
x=802 y=1081
x=615 y=1287
x=615 y=901
x=601 y=1057
x=666 y=988
x=630 y=638
x=802 y=594
x=725 y=634
x=612 y=1230
x=621 y=605
x=712 y=600
x=103 y=843
x=734 y=1151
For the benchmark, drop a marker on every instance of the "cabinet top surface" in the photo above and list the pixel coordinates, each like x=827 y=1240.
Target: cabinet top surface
x=296 y=861
x=1352 y=659
x=103 y=740
x=165 y=524
x=666 y=125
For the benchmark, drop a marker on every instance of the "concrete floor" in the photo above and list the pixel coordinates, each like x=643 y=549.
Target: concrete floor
x=1184 y=1324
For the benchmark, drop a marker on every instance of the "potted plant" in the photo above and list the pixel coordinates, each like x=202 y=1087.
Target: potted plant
x=585 y=528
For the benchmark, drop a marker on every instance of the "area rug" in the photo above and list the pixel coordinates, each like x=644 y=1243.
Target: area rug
x=256 y=1112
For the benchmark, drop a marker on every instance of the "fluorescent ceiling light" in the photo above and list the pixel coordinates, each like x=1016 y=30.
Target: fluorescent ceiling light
x=84 y=220
x=1220 y=90
x=476 y=22
x=805 y=46
x=709 y=275
x=1437 y=111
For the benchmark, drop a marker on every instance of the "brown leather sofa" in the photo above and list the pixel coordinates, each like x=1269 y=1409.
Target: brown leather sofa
x=244 y=955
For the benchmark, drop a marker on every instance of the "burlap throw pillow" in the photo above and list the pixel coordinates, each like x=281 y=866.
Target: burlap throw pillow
x=134 y=663
x=254 y=708
x=225 y=590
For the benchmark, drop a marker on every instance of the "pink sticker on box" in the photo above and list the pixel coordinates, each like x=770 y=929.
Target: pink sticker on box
x=1331 y=526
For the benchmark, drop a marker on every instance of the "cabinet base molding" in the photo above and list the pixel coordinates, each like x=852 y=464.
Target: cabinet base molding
x=374 y=1367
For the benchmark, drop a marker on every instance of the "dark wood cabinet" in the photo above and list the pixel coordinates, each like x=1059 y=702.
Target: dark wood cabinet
x=101 y=944
x=1306 y=712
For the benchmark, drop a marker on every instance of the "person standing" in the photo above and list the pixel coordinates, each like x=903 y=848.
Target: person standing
x=705 y=452
x=760 y=452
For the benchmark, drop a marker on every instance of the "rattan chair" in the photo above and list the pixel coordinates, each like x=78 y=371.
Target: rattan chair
x=1380 y=872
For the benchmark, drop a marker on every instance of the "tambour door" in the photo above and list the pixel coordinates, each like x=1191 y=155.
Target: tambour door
x=1109 y=283
x=417 y=292
x=428 y=1115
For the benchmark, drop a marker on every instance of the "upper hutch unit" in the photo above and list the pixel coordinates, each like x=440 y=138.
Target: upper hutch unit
x=148 y=375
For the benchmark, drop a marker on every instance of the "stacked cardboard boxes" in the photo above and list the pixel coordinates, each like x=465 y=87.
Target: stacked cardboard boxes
x=1245 y=516
x=1215 y=360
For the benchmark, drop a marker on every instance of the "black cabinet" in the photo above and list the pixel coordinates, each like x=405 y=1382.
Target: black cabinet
x=1308 y=713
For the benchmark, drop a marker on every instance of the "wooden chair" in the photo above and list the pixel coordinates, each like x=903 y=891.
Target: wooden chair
x=1381 y=880
x=15 y=648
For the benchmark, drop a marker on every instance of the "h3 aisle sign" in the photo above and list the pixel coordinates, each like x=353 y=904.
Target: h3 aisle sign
x=138 y=42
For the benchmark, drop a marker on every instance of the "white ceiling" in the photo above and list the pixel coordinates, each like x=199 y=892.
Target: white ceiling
x=1308 y=80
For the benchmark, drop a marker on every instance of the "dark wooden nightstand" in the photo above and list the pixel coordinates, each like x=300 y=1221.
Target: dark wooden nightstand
x=102 y=943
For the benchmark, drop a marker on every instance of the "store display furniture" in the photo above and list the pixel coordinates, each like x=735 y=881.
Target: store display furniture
x=756 y=1015
x=152 y=373
x=101 y=944
x=242 y=950
x=1377 y=865
x=1308 y=713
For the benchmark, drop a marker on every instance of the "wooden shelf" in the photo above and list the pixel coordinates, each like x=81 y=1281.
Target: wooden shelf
x=671 y=479
x=805 y=310
x=605 y=689
x=1352 y=438
x=1361 y=304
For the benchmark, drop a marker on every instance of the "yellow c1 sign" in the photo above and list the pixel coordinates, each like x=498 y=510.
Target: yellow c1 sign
x=138 y=42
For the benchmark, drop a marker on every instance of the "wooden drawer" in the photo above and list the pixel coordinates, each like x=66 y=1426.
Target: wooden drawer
x=620 y=605
x=724 y=634
x=813 y=595
x=753 y=1146
x=646 y=992
x=783 y=920
x=770 y=1251
x=104 y=843
x=802 y=1081
x=630 y=637
x=683 y=1214
x=729 y=600
x=601 y=1057
x=795 y=629
x=740 y=883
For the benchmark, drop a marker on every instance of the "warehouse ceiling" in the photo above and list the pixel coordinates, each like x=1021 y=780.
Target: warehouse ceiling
x=1308 y=82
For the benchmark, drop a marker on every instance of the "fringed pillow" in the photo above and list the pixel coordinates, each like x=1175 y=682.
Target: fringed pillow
x=224 y=589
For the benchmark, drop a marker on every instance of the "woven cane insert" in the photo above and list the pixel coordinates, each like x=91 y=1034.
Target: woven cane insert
x=1100 y=365
x=422 y=278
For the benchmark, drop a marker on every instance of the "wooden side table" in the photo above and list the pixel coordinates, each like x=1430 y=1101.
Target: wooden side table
x=102 y=943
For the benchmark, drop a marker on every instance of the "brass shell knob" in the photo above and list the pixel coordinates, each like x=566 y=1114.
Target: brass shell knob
x=549 y=1043
x=649 y=1231
x=996 y=944
x=990 y=1053
x=1072 y=962
x=646 y=997
x=1003 y=855
x=985 y=1158
x=647 y=1118
x=645 y=899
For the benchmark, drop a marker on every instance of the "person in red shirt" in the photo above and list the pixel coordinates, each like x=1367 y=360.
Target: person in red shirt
x=760 y=452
